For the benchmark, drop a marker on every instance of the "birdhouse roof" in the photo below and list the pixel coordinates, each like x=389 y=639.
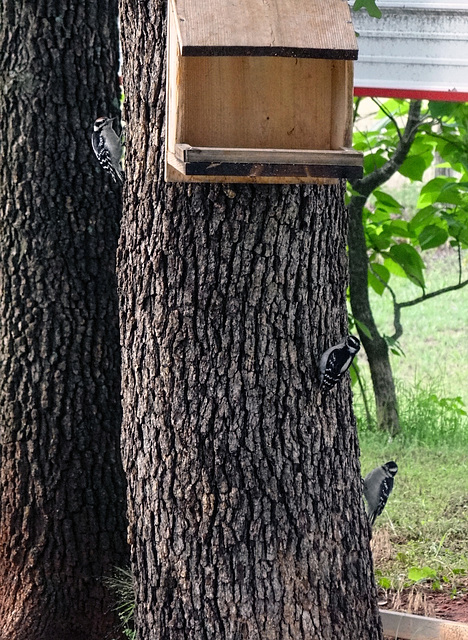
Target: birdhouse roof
x=289 y=28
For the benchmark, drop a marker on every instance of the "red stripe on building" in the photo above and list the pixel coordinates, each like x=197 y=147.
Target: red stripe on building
x=415 y=94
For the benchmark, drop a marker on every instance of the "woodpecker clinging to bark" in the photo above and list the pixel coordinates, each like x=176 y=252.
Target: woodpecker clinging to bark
x=107 y=147
x=336 y=361
x=378 y=485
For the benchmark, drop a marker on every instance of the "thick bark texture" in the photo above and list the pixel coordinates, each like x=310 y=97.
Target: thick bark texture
x=62 y=489
x=245 y=506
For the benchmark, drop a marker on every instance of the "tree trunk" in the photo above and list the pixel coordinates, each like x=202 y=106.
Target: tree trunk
x=245 y=506
x=376 y=348
x=62 y=489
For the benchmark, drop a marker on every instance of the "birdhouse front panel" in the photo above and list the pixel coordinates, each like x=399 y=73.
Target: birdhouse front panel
x=256 y=117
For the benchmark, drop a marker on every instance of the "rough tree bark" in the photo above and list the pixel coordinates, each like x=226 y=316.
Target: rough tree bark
x=245 y=506
x=62 y=489
x=376 y=347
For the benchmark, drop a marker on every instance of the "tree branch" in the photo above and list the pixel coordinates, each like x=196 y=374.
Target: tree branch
x=459 y=263
x=433 y=294
x=396 y=307
x=366 y=185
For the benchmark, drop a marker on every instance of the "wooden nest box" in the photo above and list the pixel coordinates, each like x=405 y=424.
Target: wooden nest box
x=260 y=91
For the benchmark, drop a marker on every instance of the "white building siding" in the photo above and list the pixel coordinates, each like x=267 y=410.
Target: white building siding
x=417 y=49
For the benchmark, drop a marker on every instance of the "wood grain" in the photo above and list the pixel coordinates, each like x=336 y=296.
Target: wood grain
x=312 y=29
x=345 y=157
x=258 y=102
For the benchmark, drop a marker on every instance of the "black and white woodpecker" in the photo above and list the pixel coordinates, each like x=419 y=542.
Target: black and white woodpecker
x=378 y=485
x=108 y=147
x=336 y=361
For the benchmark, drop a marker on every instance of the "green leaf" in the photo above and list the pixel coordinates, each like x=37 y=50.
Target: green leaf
x=431 y=191
x=375 y=283
x=378 y=216
x=369 y=5
x=379 y=241
x=353 y=371
x=394 y=267
x=450 y=194
x=385 y=583
x=442 y=109
x=432 y=236
x=386 y=201
x=410 y=261
x=378 y=277
x=372 y=161
x=422 y=218
x=421 y=573
x=381 y=271
x=363 y=328
x=399 y=229
x=414 y=167
x=457 y=228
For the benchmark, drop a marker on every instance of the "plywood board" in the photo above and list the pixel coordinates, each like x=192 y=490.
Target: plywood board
x=260 y=102
x=298 y=28
x=341 y=117
x=173 y=93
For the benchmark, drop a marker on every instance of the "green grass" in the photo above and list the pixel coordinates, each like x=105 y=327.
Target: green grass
x=435 y=332
x=422 y=536
x=120 y=584
x=425 y=523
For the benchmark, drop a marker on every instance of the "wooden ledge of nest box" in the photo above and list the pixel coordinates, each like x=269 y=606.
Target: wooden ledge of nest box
x=344 y=156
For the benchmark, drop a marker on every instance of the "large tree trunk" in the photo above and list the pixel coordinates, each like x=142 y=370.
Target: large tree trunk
x=62 y=489
x=245 y=505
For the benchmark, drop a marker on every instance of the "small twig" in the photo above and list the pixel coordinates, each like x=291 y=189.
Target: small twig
x=431 y=134
x=396 y=307
x=389 y=115
x=390 y=521
x=356 y=109
x=459 y=263
x=369 y=420
x=364 y=186
x=433 y=294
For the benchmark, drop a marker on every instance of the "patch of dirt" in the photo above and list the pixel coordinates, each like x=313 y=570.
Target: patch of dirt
x=456 y=506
